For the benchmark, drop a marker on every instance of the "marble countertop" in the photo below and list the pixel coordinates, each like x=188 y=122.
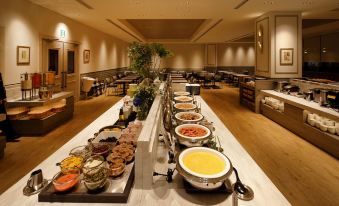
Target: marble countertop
x=162 y=193
x=38 y=102
x=304 y=104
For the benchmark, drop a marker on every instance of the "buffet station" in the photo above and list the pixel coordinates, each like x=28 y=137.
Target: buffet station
x=307 y=109
x=181 y=154
x=39 y=110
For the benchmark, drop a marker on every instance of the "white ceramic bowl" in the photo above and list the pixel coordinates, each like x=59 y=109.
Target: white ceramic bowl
x=178 y=115
x=183 y=99
x=330 y=123
x=192 y=106
x=317 y=123
x=226 y=161
x=311 y=122
x=331 y=129
x=181 y=93
x=178 y=128
x=323 y=127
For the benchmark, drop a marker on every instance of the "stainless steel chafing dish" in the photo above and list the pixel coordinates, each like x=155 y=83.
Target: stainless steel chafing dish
x=204 y=182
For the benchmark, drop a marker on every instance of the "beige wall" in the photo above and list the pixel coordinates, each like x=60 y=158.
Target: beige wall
x=192 y=56
x=236 y=54
x=23 y=23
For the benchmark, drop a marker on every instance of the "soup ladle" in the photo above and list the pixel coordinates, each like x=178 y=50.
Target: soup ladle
x=243 y=192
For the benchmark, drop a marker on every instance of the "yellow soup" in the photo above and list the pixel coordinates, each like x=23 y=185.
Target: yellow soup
x=204 y=163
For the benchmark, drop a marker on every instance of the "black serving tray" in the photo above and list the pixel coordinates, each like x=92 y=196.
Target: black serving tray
x=80 y=194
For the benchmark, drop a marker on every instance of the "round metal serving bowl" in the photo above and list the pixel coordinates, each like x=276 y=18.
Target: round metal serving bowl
x=203 y=181
x=181 y=93
x=183 y=99
x=181 y=120
x=184 y=107
x=192 y=141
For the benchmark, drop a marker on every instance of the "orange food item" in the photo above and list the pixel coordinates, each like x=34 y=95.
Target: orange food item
x=193 y=132
x=65 y=182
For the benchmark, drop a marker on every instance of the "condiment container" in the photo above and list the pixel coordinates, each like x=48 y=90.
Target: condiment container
x=66 y=180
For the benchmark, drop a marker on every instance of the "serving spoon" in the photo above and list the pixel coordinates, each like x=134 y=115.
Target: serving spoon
x=243 y=192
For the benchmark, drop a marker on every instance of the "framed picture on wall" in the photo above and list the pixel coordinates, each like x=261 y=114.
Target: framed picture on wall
x=286 y=56
x=23 y=55
x=87 y=56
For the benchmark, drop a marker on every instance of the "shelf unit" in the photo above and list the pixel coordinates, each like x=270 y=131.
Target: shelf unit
x=294 y=119
x=247 y=95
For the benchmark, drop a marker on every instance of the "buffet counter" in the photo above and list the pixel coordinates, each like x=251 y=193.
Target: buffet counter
x=161 y=192
x=316 y=124
x=303 y=104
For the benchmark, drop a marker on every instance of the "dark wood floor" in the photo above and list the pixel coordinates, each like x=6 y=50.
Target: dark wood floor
x=303 y=173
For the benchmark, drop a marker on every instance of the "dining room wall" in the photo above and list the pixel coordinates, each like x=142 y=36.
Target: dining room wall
x=193 y=56
x=23 y=23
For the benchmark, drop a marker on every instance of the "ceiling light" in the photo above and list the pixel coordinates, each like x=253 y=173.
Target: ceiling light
x=241 y=4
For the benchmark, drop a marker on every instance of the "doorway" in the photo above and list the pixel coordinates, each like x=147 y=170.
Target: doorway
x=62 y=58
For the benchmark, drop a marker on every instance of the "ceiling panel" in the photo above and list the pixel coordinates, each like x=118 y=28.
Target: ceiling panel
x=235 y=22
x=166 y=28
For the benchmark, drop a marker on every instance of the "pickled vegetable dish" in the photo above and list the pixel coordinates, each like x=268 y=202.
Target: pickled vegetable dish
x=193 y=131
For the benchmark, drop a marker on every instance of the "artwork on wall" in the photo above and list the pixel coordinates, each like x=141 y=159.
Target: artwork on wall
x=286 y=56
x=23 y=55
x=87 y=56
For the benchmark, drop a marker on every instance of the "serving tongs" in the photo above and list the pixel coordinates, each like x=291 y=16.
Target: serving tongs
x=168 y=134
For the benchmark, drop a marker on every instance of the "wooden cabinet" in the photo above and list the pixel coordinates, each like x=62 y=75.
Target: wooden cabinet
x=247 y=95
x=294 y=119
x=44 y=125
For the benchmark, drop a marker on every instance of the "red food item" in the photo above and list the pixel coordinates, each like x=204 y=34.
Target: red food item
x=193 y=131
x=65 y=182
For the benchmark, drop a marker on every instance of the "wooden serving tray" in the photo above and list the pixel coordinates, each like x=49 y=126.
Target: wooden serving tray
x=116 y=190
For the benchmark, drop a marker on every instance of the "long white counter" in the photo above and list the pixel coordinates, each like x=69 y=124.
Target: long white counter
x=303 y=104
x=163 y=193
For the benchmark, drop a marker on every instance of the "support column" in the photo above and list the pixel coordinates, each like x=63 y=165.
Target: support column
x=278 y=45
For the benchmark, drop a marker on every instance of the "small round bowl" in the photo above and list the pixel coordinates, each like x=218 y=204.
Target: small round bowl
x=65 y=180
x=94 y=162
x=101 y=149
x=71 y=162
x=116 y=165
x=95 y=179
x=125 y=151
x=331 y=129
x=323 y=127
x=189 y=117
x=182 y=99
x=82 y=151
x=181 y=93
x=185 y=107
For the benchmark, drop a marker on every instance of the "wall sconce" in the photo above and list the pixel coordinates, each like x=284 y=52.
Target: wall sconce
x=260 y=35
x=323 y=50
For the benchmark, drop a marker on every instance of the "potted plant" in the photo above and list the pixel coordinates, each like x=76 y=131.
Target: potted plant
x=146 y=58
x=143 y=99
